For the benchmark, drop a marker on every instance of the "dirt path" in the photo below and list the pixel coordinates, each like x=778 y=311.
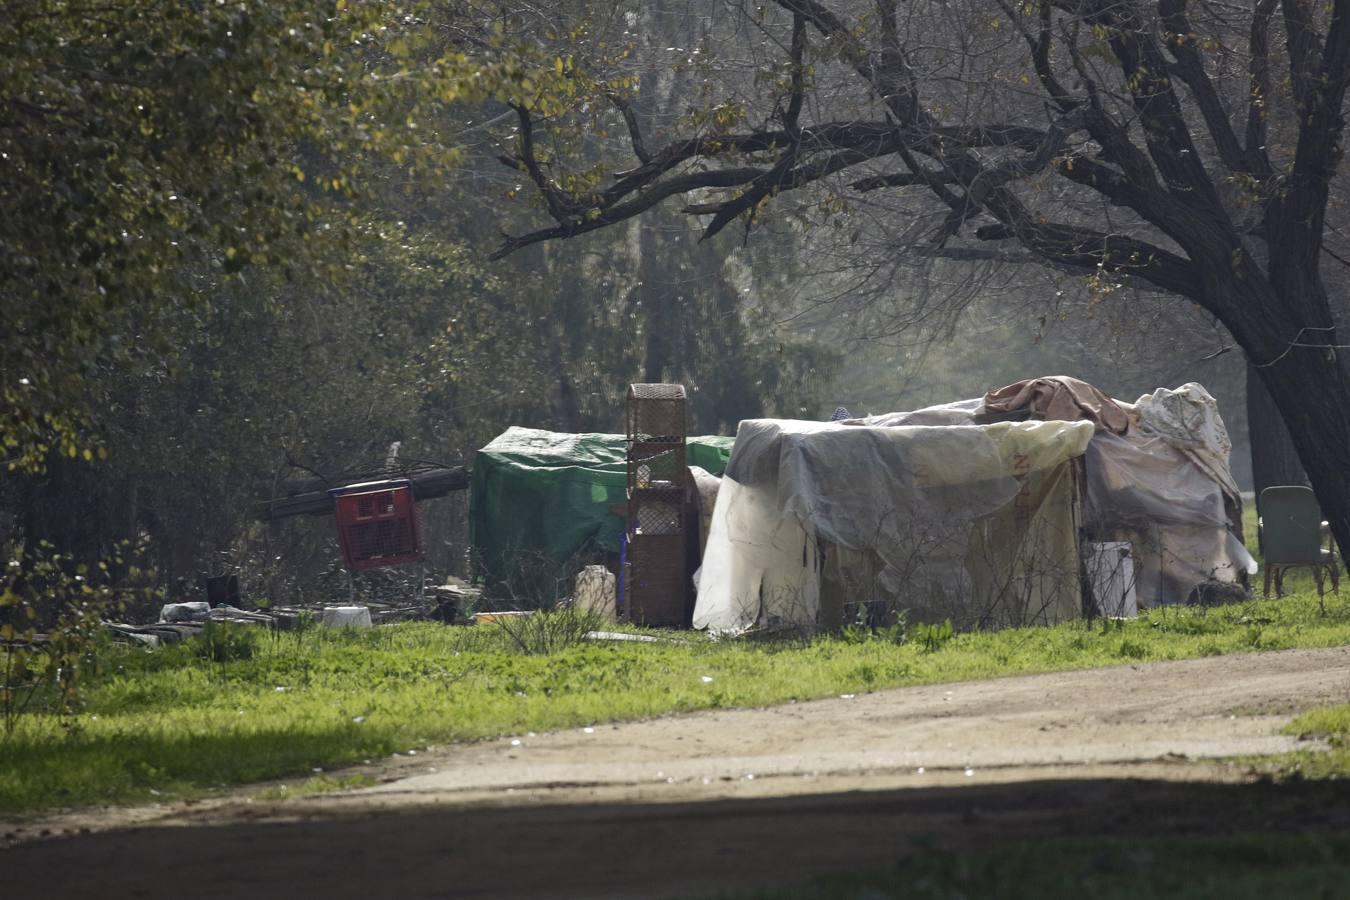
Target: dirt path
x=1195 y=709
x=689 y=804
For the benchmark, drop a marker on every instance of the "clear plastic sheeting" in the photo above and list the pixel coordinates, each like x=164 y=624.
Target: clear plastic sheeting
x=962 y=412
x=971 y=523
x=1188 y=419
x=1144 y=490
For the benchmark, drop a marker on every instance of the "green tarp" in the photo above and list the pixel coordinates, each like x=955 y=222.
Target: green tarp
x=538 y=497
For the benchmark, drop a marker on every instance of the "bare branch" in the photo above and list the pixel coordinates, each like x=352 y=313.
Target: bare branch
x=1190 y=68
x=794 y=110
x=558 y=205
x=630 y=119
x=901 y=179
x=1260 y=91
x=1092 y=250
x=640 y=204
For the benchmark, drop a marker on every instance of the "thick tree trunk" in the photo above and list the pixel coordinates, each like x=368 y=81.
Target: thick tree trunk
x=658 y=305
x=566 y=405
x=1311 y=387
x=1274 y=457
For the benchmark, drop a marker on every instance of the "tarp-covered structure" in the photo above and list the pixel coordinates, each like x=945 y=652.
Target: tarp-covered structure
x=538 y=498
x=978 y=511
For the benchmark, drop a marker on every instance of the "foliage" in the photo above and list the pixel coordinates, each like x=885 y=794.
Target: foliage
x=933 y=637
x=170 y=721
x=51 y=608
x=240 y=246
x=157 y=153
x=224 y=642
x=549 y=631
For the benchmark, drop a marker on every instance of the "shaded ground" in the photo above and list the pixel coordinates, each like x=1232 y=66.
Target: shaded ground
x=668 y=807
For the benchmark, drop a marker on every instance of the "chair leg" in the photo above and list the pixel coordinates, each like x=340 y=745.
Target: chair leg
x=1279 y=582
x=1269 y=569
x=1319 y=575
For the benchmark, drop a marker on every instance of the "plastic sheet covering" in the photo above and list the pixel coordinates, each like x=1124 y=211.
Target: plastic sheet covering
x=962 y=412
x=1188 y=419
x=706 y=486
x=1058 y=398
x=924 y=511
x=1144 y=490
x=538 y=497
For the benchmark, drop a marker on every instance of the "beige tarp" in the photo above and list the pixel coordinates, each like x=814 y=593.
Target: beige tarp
x=1059 y=398
x=972 y=523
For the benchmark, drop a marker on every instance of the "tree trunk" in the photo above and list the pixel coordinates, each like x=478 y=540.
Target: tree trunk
x=566 y=405
x=1274 y=458
x=1311 y=387
x=658 y=302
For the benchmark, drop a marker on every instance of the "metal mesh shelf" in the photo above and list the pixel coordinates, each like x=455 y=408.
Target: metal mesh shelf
x=657 y=579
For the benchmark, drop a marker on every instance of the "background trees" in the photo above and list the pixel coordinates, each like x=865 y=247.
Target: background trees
x=246 y=240
x=1185 y=147
x=241 y=241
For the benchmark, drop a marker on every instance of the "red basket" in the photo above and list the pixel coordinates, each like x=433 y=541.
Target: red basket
x=377 y=523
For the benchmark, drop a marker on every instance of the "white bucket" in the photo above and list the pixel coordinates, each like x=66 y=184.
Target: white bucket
x=595 y=592
x=1110 y=567
x=345 y=617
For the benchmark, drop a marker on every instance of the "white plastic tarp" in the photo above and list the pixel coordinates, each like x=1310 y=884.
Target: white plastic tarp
x=908 y=496
x=1162 y=487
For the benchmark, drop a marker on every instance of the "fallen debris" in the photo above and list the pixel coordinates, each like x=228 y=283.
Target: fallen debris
x=345 y=617
x=625 y=636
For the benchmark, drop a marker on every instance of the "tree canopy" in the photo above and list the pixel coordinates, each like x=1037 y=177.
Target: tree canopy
x=1190 y=147
x=153 y=153
x=239 y=243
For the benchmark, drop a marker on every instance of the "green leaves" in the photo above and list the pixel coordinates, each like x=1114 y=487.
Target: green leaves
x=156 y=151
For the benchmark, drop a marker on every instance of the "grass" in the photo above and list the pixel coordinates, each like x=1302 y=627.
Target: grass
x=183 y=720
x=1237 y=867
x=1329 y=723
x=319 y=784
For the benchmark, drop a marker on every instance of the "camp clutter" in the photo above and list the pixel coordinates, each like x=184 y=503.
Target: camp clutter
x=1041 y=502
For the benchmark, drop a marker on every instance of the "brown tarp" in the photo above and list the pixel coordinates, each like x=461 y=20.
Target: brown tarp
x=1059 y=398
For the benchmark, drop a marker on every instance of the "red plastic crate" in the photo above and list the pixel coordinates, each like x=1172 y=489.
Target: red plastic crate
x=377 y=523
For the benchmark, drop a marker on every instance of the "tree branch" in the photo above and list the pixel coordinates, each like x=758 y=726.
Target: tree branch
x=1190 y=68
x=1305 y=49
x=558 y=205
x=794 y=110
x=1260 y=91
x=630 y=119
x=924 y=178
x=643 y=202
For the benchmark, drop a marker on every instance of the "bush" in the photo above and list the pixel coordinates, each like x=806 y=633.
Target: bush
x=51 y=610
x=224 y=642
x=546 y=632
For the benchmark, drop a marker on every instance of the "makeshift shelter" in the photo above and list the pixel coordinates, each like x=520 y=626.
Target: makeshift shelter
x=538 y=498
x=946 y=513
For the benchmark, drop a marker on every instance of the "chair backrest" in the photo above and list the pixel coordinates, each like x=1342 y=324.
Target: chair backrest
x=1291 y=525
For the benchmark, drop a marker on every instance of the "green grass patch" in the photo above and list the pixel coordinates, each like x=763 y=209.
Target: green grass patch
x=319 y=784
x=252 y=706
x=1239 y=867
x=1329 y=723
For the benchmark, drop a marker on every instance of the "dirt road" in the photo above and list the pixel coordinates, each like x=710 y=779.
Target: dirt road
x=688 y=805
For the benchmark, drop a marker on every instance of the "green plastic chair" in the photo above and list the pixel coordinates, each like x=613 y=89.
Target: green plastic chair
x=1292 y=534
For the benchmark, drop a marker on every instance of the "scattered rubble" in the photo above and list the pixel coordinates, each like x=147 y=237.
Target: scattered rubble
x=445 y=603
